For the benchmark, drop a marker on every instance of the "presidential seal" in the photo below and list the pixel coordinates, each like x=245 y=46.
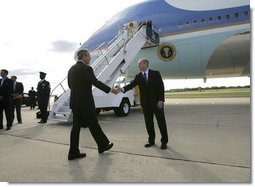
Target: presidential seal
x=166 y=52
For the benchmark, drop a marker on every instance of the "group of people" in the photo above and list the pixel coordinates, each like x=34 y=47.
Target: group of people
x=80 y=81
x=10 y=98
x=11 y=94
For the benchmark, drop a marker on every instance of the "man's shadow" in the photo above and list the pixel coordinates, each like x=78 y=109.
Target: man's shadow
x=101 y=171
x=80 y=173
x=76 y=171
x=178 y=161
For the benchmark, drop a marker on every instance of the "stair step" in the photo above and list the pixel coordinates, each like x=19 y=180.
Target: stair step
x=62 y=113
x=59 y=118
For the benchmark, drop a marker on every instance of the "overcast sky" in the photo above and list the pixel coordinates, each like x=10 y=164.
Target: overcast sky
x=42 y=35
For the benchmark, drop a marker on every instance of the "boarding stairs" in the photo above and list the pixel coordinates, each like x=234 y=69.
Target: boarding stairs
x=110 y=65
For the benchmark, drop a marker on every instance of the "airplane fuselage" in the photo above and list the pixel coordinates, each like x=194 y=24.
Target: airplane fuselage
x=193 y=43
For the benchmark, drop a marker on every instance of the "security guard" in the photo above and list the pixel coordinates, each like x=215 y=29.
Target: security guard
x=43 y=95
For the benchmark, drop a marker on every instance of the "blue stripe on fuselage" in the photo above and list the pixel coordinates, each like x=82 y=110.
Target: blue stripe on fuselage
x=167 y=19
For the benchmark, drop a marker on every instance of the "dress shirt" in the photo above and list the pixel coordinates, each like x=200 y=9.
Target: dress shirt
x=3 y=80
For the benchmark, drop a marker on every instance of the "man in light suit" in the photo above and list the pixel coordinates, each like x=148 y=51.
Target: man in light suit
x=80 y=80
x=152 y=96
x=6 y=89
x=17 y=98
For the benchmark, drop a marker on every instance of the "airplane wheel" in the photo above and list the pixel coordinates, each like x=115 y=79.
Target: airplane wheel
x=123 y=109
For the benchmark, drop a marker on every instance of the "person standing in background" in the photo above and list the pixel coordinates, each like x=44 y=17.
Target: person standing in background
x=32 y=98
x=6 y=89
x=16 y=99
x=43 y=95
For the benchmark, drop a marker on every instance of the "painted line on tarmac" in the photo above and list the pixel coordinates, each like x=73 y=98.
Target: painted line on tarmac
x=135 y=154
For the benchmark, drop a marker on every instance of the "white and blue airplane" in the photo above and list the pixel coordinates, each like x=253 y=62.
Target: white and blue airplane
x=198 y=39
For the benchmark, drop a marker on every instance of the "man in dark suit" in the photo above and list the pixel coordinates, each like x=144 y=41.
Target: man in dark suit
x=16 y=98
x=43 y=95
x=32 y=98
x=80 y=80
x=6 y=89
x=152 y=96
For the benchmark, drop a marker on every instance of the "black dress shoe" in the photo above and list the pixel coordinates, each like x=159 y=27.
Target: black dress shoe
x=163 y=146
x=8 y=128
x=74 y=156
x=148 y=144
x=109 y=146
x=42 y=122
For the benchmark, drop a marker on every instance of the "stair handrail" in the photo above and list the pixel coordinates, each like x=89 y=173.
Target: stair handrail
x=59 y=84
x=121 y=31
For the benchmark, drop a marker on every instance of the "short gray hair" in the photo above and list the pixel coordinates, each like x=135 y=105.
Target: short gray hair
x=145 y=60
x=81 y=52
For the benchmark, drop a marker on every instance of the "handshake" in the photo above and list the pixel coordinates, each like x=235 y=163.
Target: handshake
x=117 y=90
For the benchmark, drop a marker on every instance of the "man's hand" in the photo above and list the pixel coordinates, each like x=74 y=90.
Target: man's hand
x=115 y=91
x=120 y=89
x=160 y=104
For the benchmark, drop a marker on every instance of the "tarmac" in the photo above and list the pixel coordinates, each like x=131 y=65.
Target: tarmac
x=209 y=142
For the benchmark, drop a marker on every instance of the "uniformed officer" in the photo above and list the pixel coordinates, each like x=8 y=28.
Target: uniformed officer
x=43 y=95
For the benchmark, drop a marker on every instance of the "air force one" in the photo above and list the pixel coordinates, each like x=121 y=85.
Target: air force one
x=198 y=39
x=182 y=39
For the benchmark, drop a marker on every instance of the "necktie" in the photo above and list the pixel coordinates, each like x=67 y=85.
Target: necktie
x=145 y=77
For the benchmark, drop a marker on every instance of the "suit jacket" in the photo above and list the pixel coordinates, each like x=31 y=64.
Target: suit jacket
x=6 y=91
x=150 y=92
x=43 y=92
x=18 y=90
x=80 y=80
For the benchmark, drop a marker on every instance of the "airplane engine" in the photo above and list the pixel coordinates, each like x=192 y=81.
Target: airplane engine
x=231 y=58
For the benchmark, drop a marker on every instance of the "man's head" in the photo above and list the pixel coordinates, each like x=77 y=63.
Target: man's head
x=14 y=78
x=42 y=75
x=143 y=64
x=84 y=55
x=4 y=73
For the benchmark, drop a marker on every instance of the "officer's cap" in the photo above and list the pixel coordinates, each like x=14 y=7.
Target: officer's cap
x=42 y=73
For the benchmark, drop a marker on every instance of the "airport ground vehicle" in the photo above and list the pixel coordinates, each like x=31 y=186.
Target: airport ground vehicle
x=25 y=99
